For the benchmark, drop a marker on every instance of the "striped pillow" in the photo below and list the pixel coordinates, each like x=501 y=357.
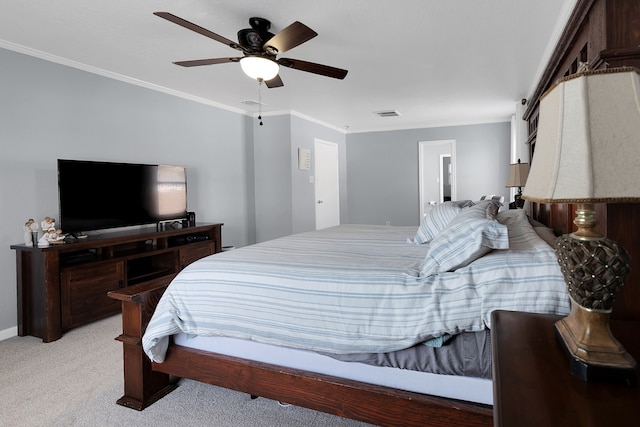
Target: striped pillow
x=470 y=235
x=436 y=219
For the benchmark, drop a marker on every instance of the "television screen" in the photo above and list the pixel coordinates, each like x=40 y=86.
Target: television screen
x=98 y=195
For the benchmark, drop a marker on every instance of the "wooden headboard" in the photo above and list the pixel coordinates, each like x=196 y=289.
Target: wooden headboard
x=605 y=34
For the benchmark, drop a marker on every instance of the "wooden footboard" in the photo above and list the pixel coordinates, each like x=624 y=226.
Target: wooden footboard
x=146 y=382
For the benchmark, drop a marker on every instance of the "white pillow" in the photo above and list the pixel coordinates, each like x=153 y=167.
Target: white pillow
x=437 y=218
x=470 y=235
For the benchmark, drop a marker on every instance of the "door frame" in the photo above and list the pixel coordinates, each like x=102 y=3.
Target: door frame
x=452 y=150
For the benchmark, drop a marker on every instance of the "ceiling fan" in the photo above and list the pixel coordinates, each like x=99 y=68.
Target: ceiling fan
x=260 y=48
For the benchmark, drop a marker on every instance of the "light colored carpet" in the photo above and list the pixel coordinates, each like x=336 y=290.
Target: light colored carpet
x=56 y=384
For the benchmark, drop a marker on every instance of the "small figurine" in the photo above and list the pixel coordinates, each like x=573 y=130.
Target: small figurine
x=49 y=232
x=51 y=236
x=48 y=223
x=43 y=240
x=30 y=232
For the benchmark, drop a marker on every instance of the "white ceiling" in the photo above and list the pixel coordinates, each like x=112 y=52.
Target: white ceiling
x=437 y=62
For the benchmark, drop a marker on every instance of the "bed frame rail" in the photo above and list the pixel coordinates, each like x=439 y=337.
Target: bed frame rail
x=346 y=398
x=146 y=382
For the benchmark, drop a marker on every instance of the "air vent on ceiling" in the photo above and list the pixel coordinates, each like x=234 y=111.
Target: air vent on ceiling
x=251 y=102
x=387 y=113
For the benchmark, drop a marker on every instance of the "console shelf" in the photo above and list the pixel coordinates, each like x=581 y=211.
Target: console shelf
x=64 y=286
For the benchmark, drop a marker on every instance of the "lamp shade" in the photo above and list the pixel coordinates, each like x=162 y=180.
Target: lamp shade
x=518 y=173
x=588 y=142
x=259 y=68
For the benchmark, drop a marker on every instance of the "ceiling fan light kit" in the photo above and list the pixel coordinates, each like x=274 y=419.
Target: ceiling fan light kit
x=259 y=48
x=259 y=68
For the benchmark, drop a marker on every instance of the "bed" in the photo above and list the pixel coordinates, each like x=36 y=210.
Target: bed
x=315 y=306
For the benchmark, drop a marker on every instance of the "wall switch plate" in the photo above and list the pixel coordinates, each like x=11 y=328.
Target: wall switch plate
x=304 y=159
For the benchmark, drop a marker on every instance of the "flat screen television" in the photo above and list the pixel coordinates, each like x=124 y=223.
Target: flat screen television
x=99 y=195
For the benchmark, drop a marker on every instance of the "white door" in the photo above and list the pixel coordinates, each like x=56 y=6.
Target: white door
x=327 y=184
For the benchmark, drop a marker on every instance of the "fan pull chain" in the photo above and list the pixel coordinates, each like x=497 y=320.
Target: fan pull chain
x=260 y=101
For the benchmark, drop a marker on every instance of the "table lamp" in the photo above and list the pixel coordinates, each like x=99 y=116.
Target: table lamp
x=518 y=173
x=587 y=151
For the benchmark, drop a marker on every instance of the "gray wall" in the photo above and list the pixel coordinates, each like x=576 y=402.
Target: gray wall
x=304 y=135
x=285 y=197
x=272 y=147
x=382 y=169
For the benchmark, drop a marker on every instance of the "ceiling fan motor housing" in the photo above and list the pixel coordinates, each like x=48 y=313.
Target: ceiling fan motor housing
x=255 y=37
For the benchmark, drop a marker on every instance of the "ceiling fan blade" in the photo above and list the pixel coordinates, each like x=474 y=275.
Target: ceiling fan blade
x=290 y=37
x=311 y=67
x=198 y=29
x=274 y=82
x=210 y=61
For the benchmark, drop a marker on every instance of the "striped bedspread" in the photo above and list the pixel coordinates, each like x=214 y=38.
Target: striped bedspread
x=351 y=289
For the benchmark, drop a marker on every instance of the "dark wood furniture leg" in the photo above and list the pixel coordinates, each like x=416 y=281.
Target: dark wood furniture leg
x=38 y=293
x=142 y=385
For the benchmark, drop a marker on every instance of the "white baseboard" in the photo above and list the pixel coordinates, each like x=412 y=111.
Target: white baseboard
x=8 y=333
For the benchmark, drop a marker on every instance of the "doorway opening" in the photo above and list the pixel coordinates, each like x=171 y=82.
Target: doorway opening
x=445 y=178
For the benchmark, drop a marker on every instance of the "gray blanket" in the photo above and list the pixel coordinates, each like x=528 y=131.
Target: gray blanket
x=467 y=354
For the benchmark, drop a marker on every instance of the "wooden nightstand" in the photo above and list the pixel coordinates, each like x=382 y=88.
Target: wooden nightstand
x=533 y=384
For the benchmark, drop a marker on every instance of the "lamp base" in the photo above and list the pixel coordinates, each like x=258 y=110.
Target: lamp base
x=594 y=353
